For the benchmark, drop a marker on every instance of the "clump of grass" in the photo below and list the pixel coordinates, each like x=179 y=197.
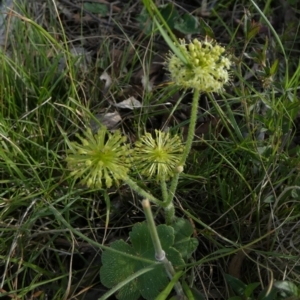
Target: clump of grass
x=38 y=88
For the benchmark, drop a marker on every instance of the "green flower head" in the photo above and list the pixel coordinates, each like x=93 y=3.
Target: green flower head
x=207 y=68
x=158 y=157
x=100 y=159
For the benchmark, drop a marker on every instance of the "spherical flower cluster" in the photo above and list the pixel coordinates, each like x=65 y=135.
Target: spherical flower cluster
x=100 y=159
x=158 y=157
x=207 y=67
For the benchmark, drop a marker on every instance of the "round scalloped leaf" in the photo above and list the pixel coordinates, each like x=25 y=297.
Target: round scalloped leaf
x=116 y=268
x=184 y=243
x=187 y=24
x=152 y=283
x=141 y=239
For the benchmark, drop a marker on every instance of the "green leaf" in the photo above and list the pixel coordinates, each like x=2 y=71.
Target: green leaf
x=265 y=294
x=183 y=242
x=206 y=28
x=250 y=288
x=187 y=24
x=144 y=21
x=168 y=40
x=142 y=242
x=96 y=8
x=191 y=292
x=170 y=14
x=252 y=32
x=164 y=29
x=166 y=292
x=274 y=67
x=237 y=285
x=129 y=279
x=152 y=283
x=116 y=268
x=287 y=286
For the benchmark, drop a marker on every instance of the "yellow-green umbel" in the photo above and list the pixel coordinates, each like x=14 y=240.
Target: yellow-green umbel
x=101 y=159
x=158 y=157
x=207 y=67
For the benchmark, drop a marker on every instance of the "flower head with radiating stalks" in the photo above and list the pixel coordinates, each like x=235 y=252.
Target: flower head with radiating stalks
x=101 y=159
x=158 y=157
x=207 y=67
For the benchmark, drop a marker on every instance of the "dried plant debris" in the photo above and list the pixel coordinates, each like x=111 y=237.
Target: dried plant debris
x=108 y=119
x=130 y=103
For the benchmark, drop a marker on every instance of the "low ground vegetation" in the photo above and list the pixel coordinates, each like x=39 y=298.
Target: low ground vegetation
x=68 y=68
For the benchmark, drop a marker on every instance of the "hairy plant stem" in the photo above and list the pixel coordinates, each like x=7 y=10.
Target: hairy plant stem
x=167 y=205
x=164 y=190
x=168 y=197
x=188 y=146
x=192 y=126
x=160 y=254
x=107 y=202
x=170 y=213
x=143 y=193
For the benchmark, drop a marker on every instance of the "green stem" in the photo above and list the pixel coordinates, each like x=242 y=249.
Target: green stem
x=164 y=190
x=191 y=131
x=173 y=187
x=170 y=213
x=107 y=202
x=143 y=193
x=188 y=144
x=160 y=254
x=167 y=205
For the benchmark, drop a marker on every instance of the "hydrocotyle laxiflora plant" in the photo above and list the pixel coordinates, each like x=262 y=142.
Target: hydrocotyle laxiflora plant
x=105 y=158
x=205 y=69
